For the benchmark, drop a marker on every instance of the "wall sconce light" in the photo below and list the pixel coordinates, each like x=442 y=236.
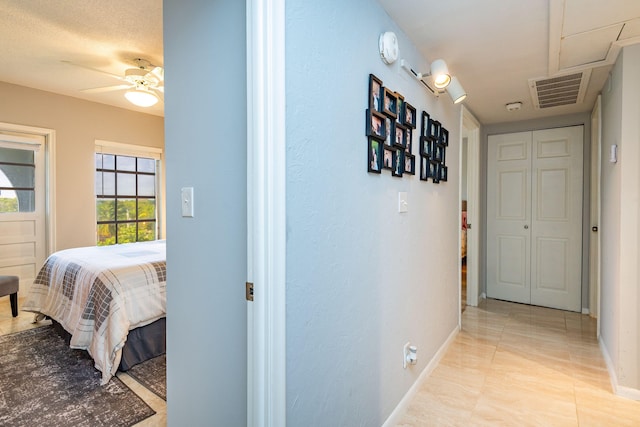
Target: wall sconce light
x=438 y=77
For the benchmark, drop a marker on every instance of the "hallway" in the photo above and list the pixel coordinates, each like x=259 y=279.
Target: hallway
x=519 y=365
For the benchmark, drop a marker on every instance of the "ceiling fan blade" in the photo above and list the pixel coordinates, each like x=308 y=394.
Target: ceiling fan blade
x=106 y=89
x=159 y=73
x=115 y=76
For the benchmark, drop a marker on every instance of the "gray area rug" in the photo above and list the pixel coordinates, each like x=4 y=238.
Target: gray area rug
x=152 y=374
x=44 y=382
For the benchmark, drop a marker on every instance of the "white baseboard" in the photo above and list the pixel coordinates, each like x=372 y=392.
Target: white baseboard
x=618 y=390
x=585 y=310
x=483 y=295
x=400 y=410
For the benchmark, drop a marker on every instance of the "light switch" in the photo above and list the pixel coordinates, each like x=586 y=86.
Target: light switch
x=187 y=202
x=403 y=202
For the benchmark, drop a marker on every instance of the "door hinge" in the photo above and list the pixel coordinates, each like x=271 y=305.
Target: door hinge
x=249 y=291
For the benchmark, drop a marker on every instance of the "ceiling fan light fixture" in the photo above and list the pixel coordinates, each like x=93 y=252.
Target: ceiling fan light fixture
x=141 y=97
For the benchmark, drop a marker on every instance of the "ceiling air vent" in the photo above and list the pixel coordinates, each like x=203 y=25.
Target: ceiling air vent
x=561 y=90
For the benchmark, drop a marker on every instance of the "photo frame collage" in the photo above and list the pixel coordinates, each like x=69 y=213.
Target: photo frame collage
x=434 y=140
x=390 y=122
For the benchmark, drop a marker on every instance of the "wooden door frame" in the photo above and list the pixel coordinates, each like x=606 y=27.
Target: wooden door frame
x=266 y=213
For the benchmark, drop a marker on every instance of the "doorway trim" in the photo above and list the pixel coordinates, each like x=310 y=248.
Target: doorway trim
x=470 y=125
x=266 y=213
x=49 y=136
x=595 y=208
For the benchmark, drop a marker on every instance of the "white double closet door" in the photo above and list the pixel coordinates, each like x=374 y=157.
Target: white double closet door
x=534 y=217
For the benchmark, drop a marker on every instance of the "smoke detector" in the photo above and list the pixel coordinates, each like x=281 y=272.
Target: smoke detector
x=513 y=106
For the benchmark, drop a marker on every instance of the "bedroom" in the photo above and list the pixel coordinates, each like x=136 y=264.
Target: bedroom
x=373 y=304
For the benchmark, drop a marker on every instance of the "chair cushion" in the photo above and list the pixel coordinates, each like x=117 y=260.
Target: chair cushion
x=9 y=285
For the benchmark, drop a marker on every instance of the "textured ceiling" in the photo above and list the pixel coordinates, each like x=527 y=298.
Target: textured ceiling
x=37 y=35
x=494 y=47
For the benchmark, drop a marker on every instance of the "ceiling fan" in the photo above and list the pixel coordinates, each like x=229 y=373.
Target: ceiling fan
x=145 y=82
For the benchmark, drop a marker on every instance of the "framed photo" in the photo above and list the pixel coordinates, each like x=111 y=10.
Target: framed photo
x=408 y=140
x=400 y=108
x=434 y=128
x=434 y=171
x=387 y=158
x=398 y=163
x=390 y=128
x=424 y=168
x=375 y=93
x=410 y=118
x=390 y=103
x=443 y=173
x=424 y=126
x=409 y=164
x=426 y=146
x=375 y=155
x=376 y=123
x=444 y=137
x=400 y=140
x=438 y=153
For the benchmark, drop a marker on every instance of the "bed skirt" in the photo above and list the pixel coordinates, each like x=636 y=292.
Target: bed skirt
x=142 y=344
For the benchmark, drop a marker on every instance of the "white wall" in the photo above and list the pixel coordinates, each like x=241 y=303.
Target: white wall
x=205 y=116
x=362 y=279
x=620 y=324
x=78 y=123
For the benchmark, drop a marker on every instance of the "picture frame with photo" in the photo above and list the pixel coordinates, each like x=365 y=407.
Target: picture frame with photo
x=375 y=148
x=398 y=163
x=408 y=140
x=400 y=139
x=410 y=118
x=376 y=125
x=424 y=125
x=434 y=129
x=444 y=172
x=387 y=158
x=390 y=128
x=409 y=164
x=400 y=108
x=444 y=137
x=426 y=146
x=434 y=171
x=424 y=168
x=438 y=153
x=390 y=103
x=375 y=93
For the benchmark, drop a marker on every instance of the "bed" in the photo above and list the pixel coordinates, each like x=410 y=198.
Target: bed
x=105 y=297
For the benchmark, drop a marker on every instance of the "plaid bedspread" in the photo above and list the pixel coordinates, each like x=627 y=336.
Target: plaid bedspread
x=99 y=293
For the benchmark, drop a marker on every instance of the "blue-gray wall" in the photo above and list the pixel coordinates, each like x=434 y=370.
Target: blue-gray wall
x=205 y=125
x=362 y=279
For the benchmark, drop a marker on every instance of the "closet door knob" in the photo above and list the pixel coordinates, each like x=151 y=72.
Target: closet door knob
x=526 y=227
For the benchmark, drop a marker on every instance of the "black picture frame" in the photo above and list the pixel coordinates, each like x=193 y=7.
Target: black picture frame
x=400 y=139
x=376 y=125
x=390 y=103
x=375 y=147
x=408 y=148
x=426 y=146
x=434 y=128
x=424 y=125
x=400 y=105
x=438 y=153
x=409 y=164
x=390 y=128
x=410 y=118
x=434 y=171
x=398 y=162
x=424 y=168
x=444 y=172
x=375 y=93
x=444 y=137
x=387 y=158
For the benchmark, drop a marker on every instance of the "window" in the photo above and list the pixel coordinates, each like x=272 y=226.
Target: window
x=125 y=198
x=17 y=180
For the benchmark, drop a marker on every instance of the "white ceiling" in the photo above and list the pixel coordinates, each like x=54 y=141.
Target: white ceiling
x=494 y=47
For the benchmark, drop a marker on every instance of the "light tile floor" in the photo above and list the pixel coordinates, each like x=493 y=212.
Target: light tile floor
x=519 y=365
x=23 y=321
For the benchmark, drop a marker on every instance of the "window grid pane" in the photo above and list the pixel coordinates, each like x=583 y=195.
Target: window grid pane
x=125 y=199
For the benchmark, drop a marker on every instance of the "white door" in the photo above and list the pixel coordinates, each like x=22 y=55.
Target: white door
x=534 y=234
x=22 y=207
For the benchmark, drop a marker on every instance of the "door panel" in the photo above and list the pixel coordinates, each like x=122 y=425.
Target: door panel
x=508 y=211
x=534 y=217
